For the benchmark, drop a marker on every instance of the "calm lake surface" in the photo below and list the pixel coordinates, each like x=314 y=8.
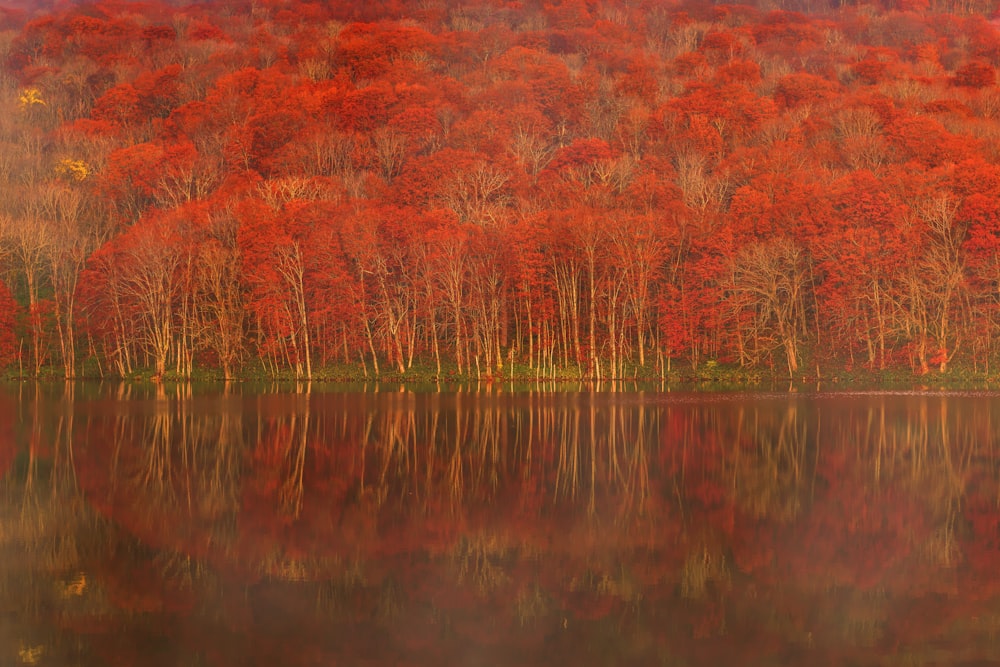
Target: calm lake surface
x=195 y=525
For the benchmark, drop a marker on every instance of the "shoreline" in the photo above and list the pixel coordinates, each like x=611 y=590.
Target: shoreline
x=712 y=378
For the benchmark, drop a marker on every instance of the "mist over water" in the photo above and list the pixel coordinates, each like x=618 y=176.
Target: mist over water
x=189 y=525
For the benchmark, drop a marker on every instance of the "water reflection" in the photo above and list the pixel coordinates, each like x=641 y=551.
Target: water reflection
x=196 y=525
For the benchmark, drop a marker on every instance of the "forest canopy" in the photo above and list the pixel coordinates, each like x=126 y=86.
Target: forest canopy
x=545 y=189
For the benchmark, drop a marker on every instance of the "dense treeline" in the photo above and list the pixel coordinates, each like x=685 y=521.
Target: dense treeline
x=593 y=188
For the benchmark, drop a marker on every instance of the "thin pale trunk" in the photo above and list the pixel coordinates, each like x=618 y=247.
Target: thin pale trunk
x=592 y=324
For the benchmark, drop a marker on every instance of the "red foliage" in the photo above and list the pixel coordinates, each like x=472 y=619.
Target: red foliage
x=797 y=89
x=734 y=124
x=976 y=74
x=9 y=310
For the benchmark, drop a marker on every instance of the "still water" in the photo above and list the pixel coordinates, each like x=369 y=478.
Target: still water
x=197 y=525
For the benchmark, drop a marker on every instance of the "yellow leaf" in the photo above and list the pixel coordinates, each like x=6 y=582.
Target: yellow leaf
x=30 y=97
x=77 y=170
x=30 y=655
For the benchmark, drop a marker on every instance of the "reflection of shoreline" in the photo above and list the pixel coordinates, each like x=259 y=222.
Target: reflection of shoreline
x=509 y=516
x=401 y=472
x=48 y=535
x=410 y=478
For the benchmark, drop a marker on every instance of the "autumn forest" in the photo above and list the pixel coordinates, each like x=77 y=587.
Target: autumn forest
x=564 y=188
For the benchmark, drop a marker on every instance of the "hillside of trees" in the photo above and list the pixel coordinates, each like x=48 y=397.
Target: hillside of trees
x=607 y=188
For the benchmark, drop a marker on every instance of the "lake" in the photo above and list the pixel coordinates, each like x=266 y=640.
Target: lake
x=380 y=525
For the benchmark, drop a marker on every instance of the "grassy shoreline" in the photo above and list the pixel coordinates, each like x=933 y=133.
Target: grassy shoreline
x=708 y=377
